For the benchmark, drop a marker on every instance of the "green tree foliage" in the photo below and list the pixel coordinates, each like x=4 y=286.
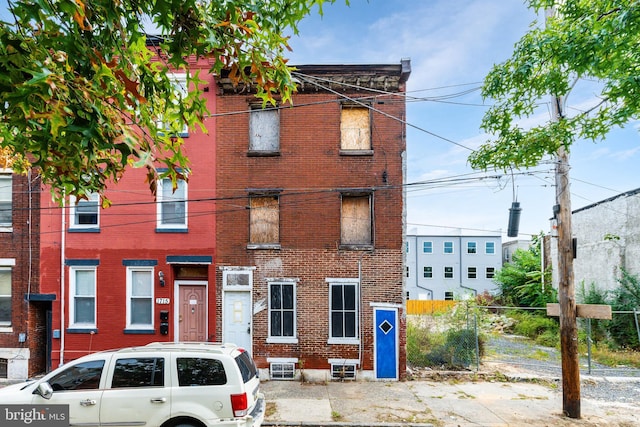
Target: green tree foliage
x=584 y=39
x=626 y=297
x=520 y=280
x=82 y=100
x=593 y=295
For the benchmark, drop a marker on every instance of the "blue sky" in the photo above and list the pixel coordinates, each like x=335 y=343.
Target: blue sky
x=452 y=45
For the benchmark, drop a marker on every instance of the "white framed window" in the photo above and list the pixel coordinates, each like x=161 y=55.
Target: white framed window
x=428 y=272
x=472 y=272
x=171 y=205
x=427 y=247
x=172 y=122
x=282 y=311
x=264 y=130
x=344 y=298
x=472 y=247
x=6 y=200
x=140 y=297
x=448 y=272
x=448 y=296
x=84 y=213
x=490 y=272
x=490 y=248
x=447 y=247
x=237 y=279
x=82 y=285
x=5 y=292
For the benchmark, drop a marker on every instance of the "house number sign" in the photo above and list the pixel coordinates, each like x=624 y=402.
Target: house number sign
x=163 y=300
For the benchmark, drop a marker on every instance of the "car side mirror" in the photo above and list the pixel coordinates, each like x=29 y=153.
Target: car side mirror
x=45 y=390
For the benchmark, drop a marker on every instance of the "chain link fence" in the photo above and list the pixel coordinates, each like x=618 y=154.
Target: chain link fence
x=469 y=337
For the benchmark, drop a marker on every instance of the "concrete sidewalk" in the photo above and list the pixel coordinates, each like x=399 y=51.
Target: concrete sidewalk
x=436 y=403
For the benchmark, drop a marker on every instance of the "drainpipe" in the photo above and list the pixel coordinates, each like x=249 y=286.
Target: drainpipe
x=63 y=294
x=360 y=310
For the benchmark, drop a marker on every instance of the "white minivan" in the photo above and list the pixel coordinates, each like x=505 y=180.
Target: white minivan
x=160 y=384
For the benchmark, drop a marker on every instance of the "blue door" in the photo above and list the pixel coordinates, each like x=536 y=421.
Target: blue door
x=386 y=342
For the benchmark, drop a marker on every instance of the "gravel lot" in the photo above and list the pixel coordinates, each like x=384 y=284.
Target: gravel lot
x=515 y=355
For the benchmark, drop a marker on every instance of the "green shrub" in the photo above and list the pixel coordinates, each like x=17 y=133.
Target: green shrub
x=458 y=350
x=534 y=325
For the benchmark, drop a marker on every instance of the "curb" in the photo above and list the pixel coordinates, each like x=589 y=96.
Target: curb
x=339 y=424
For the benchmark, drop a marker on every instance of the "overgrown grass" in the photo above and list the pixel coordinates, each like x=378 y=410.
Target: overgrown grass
x=616 y=358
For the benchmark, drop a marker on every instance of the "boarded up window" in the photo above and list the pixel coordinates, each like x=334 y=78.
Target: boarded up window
x=356 y=220
x=264 y=130
x=354 y=129
x=265 y=220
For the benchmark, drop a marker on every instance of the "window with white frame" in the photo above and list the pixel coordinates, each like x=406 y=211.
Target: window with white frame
x=140 y=297
x=82 y=310
x=282 y=311
x=428 y=272
x=5 y=296
x=172 y=204
x=355 y=128
x=490 y=248
x=84 y=213
x=355 y=220
x=343 y=310
x=448 y=272
x=448 y=247
x=427 y=247
x=6 y=199
x=472 y=247
x=171 y=117
x=264 y=130
x=490 y=272
x=472 y=272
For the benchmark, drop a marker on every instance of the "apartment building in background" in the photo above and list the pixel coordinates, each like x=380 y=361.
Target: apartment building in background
x=447 y=267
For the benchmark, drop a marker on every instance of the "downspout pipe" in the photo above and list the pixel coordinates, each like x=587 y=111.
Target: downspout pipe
x=63 y=294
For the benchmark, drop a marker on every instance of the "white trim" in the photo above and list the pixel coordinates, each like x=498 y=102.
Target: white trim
x=72 y=295
x=7 y=262
x=272 y=339
x=385 y=305
x=159 y=203
x=396 y=331
x=282 y=360
x=129 y=297
x=345 y=340
x=73 y=203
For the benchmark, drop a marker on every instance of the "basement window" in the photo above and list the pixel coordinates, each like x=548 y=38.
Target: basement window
x=343 y=371
x=282 y=370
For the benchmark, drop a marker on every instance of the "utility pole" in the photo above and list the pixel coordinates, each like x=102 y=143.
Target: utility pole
x=566 y=286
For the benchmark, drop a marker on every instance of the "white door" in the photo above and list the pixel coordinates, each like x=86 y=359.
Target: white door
x=237 y=319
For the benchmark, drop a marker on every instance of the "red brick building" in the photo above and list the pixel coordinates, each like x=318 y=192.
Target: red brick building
x=23 y=310
x=142 y=269
x=309 y=223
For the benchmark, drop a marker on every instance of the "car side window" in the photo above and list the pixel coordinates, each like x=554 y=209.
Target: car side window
x=83 y=376
x=199 y=372
x=138 y=372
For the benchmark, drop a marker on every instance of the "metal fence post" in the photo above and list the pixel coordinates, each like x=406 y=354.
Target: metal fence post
x=589 y=344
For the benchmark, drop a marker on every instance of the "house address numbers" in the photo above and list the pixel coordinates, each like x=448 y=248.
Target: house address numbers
x=163 y=300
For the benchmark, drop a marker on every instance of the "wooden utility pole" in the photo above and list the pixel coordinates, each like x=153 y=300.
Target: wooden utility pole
x=566 y=287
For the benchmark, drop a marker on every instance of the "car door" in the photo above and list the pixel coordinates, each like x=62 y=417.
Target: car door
x=138 y=392
x=80 y=387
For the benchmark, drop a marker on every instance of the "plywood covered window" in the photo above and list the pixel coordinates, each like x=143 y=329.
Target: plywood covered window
x=355 y=128
x=356 y=215
x=264 y=130
x=265 y=220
